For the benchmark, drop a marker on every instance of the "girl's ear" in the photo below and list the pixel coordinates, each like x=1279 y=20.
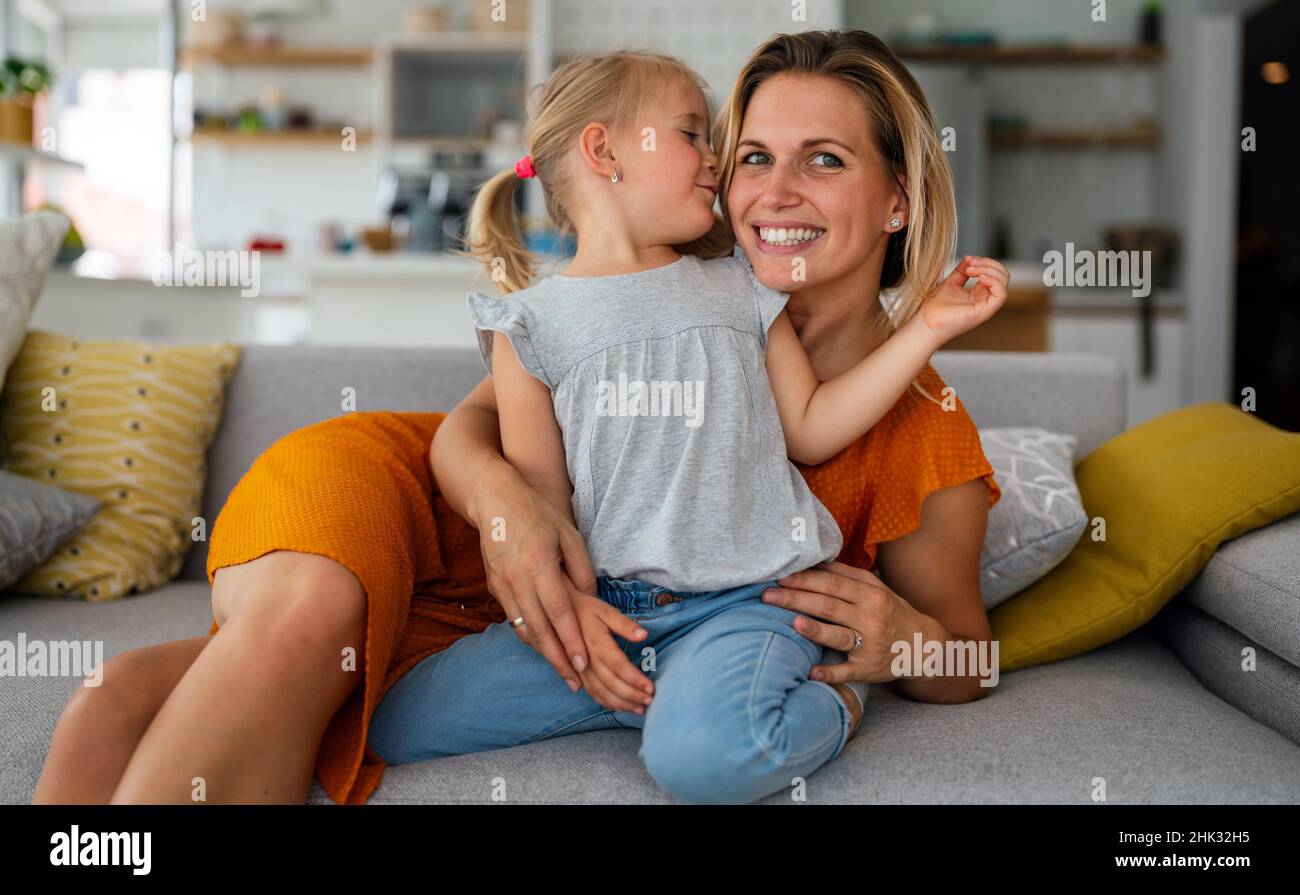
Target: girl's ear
x=597 y=148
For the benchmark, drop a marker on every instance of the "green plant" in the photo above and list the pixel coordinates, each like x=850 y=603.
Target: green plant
x=22 y=76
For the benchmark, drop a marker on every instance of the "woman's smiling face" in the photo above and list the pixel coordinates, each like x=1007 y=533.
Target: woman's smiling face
x=808 y=183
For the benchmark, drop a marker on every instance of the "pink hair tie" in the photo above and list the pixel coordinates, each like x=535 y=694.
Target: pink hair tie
x=524 y=167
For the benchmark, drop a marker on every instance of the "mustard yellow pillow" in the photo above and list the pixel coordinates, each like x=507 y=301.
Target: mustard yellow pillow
x=128 y=424
x=1169 y=491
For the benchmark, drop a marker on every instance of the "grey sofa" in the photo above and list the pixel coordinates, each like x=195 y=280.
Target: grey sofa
x=1164 y=715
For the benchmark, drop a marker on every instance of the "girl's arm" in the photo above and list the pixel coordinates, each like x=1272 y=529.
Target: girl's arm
x=821 y=419
x=531 y=440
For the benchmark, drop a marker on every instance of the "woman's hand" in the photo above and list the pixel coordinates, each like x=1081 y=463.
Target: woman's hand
x=847 y=599
x=536 y=564
x=952 y=308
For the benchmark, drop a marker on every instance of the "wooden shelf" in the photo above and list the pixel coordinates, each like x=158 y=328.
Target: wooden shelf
x=1041 y=138
x=248 y=56
x=1045 y=54
x=273 y=139
x=457 y=42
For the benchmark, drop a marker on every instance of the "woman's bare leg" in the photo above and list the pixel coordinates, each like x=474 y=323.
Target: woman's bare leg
x=101 y=726
x=248 y=716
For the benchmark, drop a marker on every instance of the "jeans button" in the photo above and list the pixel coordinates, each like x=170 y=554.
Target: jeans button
x=665 y=598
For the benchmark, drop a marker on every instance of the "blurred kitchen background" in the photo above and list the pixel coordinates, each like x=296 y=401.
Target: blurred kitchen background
x=344 y=138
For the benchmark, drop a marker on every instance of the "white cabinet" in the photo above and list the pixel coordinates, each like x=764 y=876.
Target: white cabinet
x=1117 y=334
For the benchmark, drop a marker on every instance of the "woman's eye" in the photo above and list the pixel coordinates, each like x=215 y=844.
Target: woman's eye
x=834 y=160
x=754 y=158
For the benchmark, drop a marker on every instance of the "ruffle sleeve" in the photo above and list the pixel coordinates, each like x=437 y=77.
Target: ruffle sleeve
x=925 y=449
x=767 y=302
x=502 y=315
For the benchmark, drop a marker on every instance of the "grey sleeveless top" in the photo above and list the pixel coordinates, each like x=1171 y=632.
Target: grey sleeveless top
x=671 y=433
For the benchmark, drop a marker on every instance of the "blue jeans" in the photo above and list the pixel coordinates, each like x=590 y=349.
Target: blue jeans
x=734 y=716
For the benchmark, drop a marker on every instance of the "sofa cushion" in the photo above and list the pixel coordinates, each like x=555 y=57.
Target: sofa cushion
x=1129 y=712
x=1232 y=666
x=1040 y=516
x=1253 y=584
x=1075 y=394
x=1162 y=496
x=307 y=383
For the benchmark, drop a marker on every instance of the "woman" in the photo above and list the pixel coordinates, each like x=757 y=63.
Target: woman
x=335 y=557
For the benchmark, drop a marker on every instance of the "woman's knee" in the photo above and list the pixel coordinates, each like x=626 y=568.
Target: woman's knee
x=293 y=606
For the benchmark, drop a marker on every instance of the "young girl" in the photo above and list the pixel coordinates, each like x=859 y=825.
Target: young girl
x=659 y=398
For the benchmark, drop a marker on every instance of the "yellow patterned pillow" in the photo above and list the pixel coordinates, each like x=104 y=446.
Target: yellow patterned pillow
x=128 y=424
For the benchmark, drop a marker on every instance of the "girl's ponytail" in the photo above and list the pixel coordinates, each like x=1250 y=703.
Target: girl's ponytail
x=495 y=237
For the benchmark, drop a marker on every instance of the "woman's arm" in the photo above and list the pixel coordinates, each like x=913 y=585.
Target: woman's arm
x=467 y=448
x=531 y=440
x=946 y=594
x=820 y=419
x=937 y=566
x=535 y=574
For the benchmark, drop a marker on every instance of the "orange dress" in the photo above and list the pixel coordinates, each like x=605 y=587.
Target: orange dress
x=358 y=489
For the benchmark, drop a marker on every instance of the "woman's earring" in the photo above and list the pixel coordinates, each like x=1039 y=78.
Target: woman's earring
x=895 y=223
x=615 y=177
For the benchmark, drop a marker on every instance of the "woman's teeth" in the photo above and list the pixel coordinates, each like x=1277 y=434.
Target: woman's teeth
x=782 y=236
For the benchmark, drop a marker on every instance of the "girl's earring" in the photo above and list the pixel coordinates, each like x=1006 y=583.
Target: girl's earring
x=615 y=177
x=895 y=223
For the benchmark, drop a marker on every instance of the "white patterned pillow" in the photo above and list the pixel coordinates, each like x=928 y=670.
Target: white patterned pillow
x=28 y=245
x=1040 y=516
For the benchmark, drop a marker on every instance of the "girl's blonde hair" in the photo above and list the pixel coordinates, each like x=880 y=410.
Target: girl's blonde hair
x=903 y=131
x=611 y=88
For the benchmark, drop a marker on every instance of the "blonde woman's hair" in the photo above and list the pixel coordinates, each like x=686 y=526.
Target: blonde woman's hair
x=611 y=88
x=903 y=132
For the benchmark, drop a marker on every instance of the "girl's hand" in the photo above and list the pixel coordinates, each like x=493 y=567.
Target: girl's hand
x=536 y=564
x=847 y=599
x=952 y=308
x=612 y=679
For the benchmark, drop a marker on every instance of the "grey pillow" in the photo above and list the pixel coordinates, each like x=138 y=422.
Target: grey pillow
x=35 y=519
x=1040 y=516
